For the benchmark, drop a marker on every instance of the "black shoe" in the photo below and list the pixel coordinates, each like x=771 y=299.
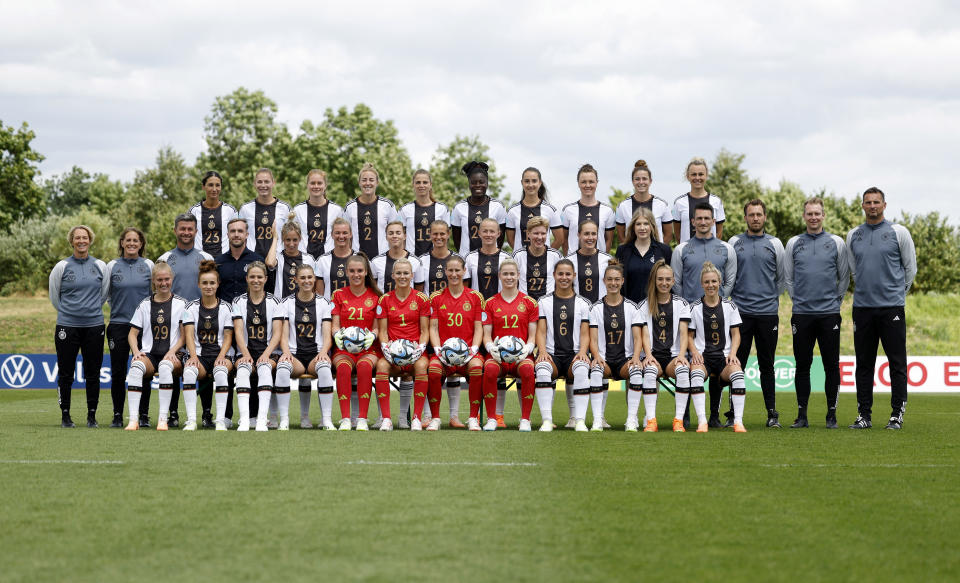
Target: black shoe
x=66 y=421
x=207 y=423
x=144 y=422
x=728 y=422
x=895 y=423
x=92 y=421
x=832 y=422
x=117 y=421
x=861 y=423
x=714 y=422
x=173 y=420
x=799 y=423
x=773 y=419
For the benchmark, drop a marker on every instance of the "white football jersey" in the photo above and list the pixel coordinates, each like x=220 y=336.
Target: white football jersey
x=711 y=335
x=286 y=280
x=208 y=326
x=614 y=326
x=160 y=324
x=659 y=207
x=212 y=227
x=305 y=329
x=260 y=218
x=416 y=219
x=483 y=273
x=467 y=218
x=682 y=214
x=382 y=267
x=575 y=213
x=536 y=272
x=256 y=321
x=564 y=318
x=589 y=279
x=669 y=337
x=518 y=215
x=316 y=224
x=369 y=224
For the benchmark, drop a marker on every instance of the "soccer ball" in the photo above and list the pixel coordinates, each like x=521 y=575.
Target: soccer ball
x=455 y=351
x=354 y=338
x=403 y=352
x=511 y=348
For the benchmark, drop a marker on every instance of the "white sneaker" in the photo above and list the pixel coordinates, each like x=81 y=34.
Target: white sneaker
x=547 y=425
x=473 y=424
x=228 y=423
x=376 y=424
x=284 y=424
x=632 y=425
x=305 y=423
x=524 y=425
x=580 y=426
x=415 y=425
x=190 y=426
x=362 y=425
x=434 y=424
x=490 y=425
x=571 y=423
x=328 y=425
x=345 y=424
x=221 y=426
x=387 y=425
x=426 y=418
x=603 y=422
x=262 y=426
x=597 y=425
x=244 y=425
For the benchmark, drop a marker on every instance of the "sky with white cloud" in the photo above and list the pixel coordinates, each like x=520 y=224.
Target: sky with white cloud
x=839 y=94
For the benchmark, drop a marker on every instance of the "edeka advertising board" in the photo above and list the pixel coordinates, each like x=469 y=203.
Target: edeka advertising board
x=939 y=374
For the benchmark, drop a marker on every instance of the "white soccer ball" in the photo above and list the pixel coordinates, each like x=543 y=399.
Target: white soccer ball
x=403 y=352
x=455 y=351
x=511 y=348
x=354 y=338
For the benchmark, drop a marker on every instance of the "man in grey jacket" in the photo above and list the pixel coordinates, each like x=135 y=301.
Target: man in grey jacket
x=760 y=281
x=818 y=274
x=884 y=263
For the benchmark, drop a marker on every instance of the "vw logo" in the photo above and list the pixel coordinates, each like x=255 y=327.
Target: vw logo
x=17 y=371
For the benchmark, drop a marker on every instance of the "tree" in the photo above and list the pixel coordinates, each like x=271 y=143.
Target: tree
x=938 y=252
x=242 y=135
x=449 y=183
x=339 y=145
x=20 y=195
x=729 y=180
x=76 y=190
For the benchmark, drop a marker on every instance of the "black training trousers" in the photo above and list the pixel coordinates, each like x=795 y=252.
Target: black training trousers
x=823 y=329
x=889 y=326
x=119 y=363
x=763 y=330
x=69 y=341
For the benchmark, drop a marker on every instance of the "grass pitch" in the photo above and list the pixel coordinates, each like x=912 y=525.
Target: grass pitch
x=770 y=505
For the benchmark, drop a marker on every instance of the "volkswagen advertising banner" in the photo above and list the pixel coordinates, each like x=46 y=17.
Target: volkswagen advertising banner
x=937 y=374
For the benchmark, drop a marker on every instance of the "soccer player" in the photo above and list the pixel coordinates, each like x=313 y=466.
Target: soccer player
x=615 y=344
x=563 y=339
x=817 y=275
x=884 y=263
x=369 y=214
x=258 y=329
x=684 y=205
x=212 y=216
x=468 y=214
x=642 y=199
x=509 y=313
x=418 y=216
x=760 y=281
x=533 y=204
x=306 y=341
x=714 y=339
x=590 y=263
x=128 y=278
x=403 y=314
x=382 y=265
x=456 y=311
x=208 y=331
x=285 y=263
x=433 y=265
x=483 y=264
x=78 y=287
x=262 y=214
x=355 y=305
x=665 y=319
x=588 y=208
x=316 y=215
x=638 y=252
x=536 y=260
x=156 y=334
x=688 y=258
x=331 y=268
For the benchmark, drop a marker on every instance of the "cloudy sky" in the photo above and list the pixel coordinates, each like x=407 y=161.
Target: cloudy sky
x=836 y=94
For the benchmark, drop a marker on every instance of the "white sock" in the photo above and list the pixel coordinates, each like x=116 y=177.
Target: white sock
x=325 y=390
x=243 y=405
x=165 y=396
x=283 y=405
x=406 y=395
x=501 y=399
x=681 y=404
x=604 y=395
x=649 y=393
x=190 y=402
x=133 y=404
x=263 y=410
x=326 y=406
x=545 y=402
x=453 y=397
x=304 y=399
x=580 y=395
x=700 y=406
x=221 y=400
x=633 y=402
x=596 y=392
x=135 y=386
x=737 y=383
x=354 y=405
x=570 y=405
x=596 y=403
x=274 y=406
